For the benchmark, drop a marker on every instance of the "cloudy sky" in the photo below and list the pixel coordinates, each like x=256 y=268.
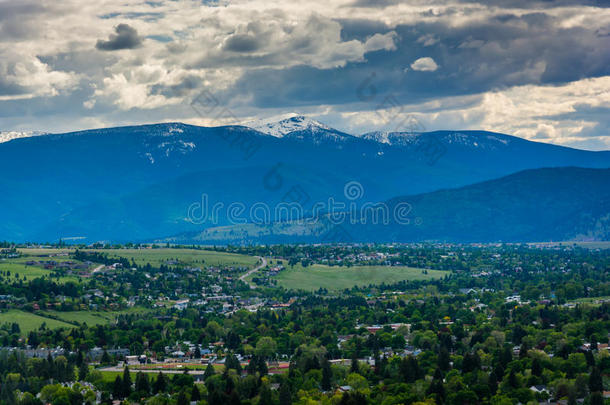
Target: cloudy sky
x=535 y=69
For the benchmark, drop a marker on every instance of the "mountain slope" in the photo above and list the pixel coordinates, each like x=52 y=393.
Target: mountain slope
x=139 y=182
x=534 y=205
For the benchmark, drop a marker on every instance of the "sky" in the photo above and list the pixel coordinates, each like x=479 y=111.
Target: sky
x=537 y=69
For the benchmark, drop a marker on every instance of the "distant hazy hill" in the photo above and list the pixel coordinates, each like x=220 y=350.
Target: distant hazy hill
x=534 y=205
x=137 y=183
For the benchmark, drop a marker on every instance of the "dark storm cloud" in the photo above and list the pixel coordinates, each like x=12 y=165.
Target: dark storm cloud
x=126 y=37
x=486 y=55
x=524 y=4
x=185 y=87
x=10 y=89
x=242 y=43
x=361 y=29
x=12 y=10
x=532 y=4
x=16 y=20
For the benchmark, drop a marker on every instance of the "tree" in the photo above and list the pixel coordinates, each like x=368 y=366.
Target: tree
x=471 y=362
x=355 y=367
x=597 y=398
x=160 y=383
x=595 y=380
x=285 y=394
x=105 y=358
x=182 y=399
x=327 y=375
x=444 y=360
x=436 y=387
x=409 y=369
x=83 y=371
x=209 y=371
x=126 y=382
x=142 y=383
x=117 y=388
x=536 y=367
x=265 y=395
x=265 y=347
x=231 y=362
x=195 y=394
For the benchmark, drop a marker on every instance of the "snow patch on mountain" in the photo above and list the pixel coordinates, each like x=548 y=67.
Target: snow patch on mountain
x=392 y=138
x=283 y=127
x=10 y=135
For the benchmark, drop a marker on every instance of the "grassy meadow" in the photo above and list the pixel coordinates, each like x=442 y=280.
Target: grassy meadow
x=157 y=257
x=316 y=276
x=29 y=321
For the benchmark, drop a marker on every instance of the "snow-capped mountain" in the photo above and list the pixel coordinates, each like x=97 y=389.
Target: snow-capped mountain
x=467 y=139
x=140 y=182
x=391 y=138
x=303 y=129
x=283 y=127
x=10 y=135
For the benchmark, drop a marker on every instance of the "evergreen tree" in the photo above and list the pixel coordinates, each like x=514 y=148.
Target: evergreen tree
x=142 y=383
x=160 y=383
x=126 y=382
x=231 y=362
x=523 y=350
x=327 y=375
x=261 y=366
x=595 y=380
x=436 y=387
x=444 y=360
x=285 y=394
x=117 y=388
x=182 y=399
x=209 y=371
x=597 y=398
x=409 y=369
x=252 y=366
x=195 y=394
x=536 y=368
x=83 y=371
x=234 y=398
x=265 y=396
x=355 y=367
x=492 y=382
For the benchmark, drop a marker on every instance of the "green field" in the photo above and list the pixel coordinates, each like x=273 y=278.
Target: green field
x=91 y=318
x=28 y=321
x=57 y=319
x=160 y=256
x=316 y=276
x=18 y=267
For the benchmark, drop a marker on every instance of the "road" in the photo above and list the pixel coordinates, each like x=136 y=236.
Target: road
x=98 y=268
x=257 y=268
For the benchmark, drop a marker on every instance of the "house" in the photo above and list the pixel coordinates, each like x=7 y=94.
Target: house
x=539 y=389
x=181 y=304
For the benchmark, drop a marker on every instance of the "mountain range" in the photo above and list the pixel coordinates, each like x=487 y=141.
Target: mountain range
x=151 y=182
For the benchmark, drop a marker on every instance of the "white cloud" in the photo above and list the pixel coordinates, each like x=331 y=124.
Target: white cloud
x=27 y=77
x=425 y=64
x=56 y=55
x=538 y=113
x=378 y=42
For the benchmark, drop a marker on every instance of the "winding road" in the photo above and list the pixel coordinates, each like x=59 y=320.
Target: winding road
x=257 y=268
